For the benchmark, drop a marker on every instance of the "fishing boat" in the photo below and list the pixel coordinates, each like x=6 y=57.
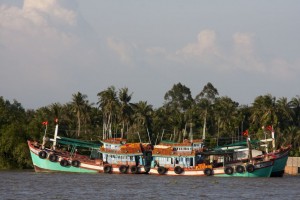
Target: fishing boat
x=122 y=158
x=113 y=155
x=65 y=155
x=260 y=151
x=279 y=156
x=190 y=158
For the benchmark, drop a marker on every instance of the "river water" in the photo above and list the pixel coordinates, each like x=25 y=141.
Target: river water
x=30 y=185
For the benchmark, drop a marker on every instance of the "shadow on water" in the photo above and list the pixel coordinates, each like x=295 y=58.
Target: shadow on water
x=31 y=185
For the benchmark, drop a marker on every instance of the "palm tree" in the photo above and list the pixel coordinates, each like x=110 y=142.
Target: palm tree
x=226 y=116
x=79 y=103
x=125 y=108
x=264 y=111
x=56 y=109
x=295 y=106
x=205 y=99
x=109 y=104
x=143 y=117
x=284 y=113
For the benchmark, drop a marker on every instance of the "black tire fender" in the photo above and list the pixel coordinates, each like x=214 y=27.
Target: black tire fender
x=107 y=169
x=53 y=158
x=228 y=170
x=161 y=170
x=43 y=154
x=240 y=169
x=178 y=170
x=208 y=171
x=250 y=168
x=123 y=169
x=64 y=163
x=75 y=163
x=134 y=169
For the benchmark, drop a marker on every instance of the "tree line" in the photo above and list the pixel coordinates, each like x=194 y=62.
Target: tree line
x=217 y=119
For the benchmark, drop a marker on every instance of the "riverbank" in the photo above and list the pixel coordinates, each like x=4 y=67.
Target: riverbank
x=293 y=166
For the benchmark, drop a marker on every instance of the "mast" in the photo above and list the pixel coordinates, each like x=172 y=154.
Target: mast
x=44 y=137
x=249 y=149
x=55 y=134
x=273 y=139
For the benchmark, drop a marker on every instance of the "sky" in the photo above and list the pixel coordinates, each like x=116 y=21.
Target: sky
x=51 y=49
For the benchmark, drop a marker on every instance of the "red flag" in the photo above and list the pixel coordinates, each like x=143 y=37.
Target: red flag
x=246 y=133
x=45 y=123
x=56 y=120
x=269 y=128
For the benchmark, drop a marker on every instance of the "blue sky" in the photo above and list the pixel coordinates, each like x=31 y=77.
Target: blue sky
x=51 y=49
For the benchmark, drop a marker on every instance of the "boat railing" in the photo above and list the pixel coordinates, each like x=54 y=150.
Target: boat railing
x=170 y=152
x=122 y=150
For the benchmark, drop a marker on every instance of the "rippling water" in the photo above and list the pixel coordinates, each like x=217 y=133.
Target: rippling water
x=30 y=185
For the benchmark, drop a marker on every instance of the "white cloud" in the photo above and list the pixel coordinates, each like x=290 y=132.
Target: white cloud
x=38 y=20
x=156 y=51
x=244 y=56
x=204 y=47
x=41 y=47
x=121 y=49
x=239 y=55
x=51 y=8
x=281 y=69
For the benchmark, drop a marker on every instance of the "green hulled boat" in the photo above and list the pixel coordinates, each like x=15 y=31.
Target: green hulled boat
x=67 y=159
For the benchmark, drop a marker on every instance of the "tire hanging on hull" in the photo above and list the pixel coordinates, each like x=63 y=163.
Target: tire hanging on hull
x=123 y=169
x=43 y=154
x=134 y=169
x=178 y=170
x=107 y=169
x=208 y=171
x=64 y=163
x=250 y=168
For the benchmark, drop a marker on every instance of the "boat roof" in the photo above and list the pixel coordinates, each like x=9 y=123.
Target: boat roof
x=239 y=144
x=119 y=141
x=179 y=144
x=78 y=143
x=218 y=152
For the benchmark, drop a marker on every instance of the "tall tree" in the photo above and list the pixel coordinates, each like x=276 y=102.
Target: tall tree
x=284 y=113
x=79 y=104
x=143 y=118
x=226 y=114
x=109 y=104
x=178 y=102
x=205 y=99
x=295 y=106
x=264 y=111
x=125 y=108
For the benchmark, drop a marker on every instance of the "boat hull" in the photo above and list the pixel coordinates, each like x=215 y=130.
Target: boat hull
x=86 y=165
x=263 y=172
x=280 y=163
x=45 y=165
x=260 y=170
